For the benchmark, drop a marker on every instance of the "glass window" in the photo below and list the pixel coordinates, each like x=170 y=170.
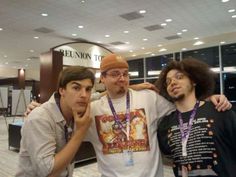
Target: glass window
x=217 y=84
x=153 y=80
x=155 y=64
x=139 y=81
x=208 y=55
x=136 y=68
x=229 y=57
x=230 y=86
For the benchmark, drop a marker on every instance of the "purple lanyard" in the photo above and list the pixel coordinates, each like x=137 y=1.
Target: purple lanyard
x=185 y=134
x=127 y=115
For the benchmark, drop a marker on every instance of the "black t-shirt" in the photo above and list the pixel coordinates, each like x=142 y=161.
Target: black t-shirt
x=211 y=146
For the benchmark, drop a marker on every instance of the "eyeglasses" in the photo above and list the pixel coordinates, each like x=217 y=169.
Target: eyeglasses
x=117 y=74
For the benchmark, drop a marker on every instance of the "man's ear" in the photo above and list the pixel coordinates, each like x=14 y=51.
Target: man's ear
x=61 y=91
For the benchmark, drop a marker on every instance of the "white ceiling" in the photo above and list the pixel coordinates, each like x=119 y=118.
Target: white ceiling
x=207 y=19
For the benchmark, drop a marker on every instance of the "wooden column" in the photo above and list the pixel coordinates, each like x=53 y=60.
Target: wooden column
x=21 y=78
x=51 y=63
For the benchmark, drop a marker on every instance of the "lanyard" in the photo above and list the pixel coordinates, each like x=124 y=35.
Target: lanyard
x=127 y=115
x=185 y=132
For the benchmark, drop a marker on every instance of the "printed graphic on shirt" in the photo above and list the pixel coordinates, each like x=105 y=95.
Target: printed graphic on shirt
x=201 y=153
x=113 y=135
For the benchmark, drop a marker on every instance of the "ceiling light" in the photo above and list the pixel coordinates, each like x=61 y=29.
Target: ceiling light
x=231 y=10
x=126 y=32
x=196 y=38
x=127 y=42
x=184 y=30
x=163 y=24
x=31 y=51
x=183 y=49
x=6 y=63
x=5 y=56
x=98 y=41
x=142 y=11
x=145 y=39
x=198 y=43
x=147 y=53
x=83 y=1
x=222 y=42
x=36 y=37
x=28 y=59
x=224 y=0
x=179 y=33
x=107 y=35
x=143 y=48
x=168 y=20
x=26 y=65
x=233 y=16
x=152 y=54
x=1 y=29
x=74 y=34
x=162 y=50
x=80 y=26
x=131 y=51
x=159 y=45
x=44 y=14
x=134 y=55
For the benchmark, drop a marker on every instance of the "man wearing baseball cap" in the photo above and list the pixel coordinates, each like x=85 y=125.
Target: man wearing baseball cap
x=124 y=127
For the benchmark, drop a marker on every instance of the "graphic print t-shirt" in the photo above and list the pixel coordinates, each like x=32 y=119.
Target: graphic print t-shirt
x=211 y=141
x=113 y=134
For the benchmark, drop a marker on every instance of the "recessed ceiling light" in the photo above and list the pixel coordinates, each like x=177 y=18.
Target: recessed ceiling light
x=183 y=49
x=126 y=32
x=196 y=38
x=80 y=26
x=134 y=55
x=179 y=33
x=184 y=30
x=98 y=41
x=28 y=59
x=127 y=42
x=83 y=1
x=74 y=34
x=233 y=16
x=224 y=0
x=130 y=50
x=6 y=63
x=5 y=56
x=198 y=43
x=163 y=50
x=142 y=11
x=31 y=51
x=44 y=14
x=231 y=10
x=159 y=45
x=168 y=20
x=143 y=48
x=107 y=35
x=145 y=39
x=36 y=37
x=1 y=29
x=222 y=42
x=152 y=54
x=163 y=24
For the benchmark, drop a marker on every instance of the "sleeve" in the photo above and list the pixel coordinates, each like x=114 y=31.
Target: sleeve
x=162 y=135
x=40 y=143
x=164 y=107
x=230 y=124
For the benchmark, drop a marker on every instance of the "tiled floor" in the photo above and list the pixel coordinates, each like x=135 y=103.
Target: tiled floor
x=8 y=158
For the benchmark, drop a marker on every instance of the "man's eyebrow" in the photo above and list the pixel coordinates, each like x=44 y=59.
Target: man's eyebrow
x=79 y=84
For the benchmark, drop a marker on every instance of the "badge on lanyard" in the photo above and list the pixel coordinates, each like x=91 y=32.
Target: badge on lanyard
x=184 y=171
x=185 y=133
x=127 y=153
x=128 y=157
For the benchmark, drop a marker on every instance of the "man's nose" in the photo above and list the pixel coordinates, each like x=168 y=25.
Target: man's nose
x=83 y=92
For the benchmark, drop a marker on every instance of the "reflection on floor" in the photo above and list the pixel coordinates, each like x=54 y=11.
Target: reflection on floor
x=9 y=158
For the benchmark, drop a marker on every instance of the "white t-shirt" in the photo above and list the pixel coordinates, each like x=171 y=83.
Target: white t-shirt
x=146 y=108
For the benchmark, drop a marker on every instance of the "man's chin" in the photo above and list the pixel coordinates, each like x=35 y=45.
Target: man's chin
x=177 y=98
